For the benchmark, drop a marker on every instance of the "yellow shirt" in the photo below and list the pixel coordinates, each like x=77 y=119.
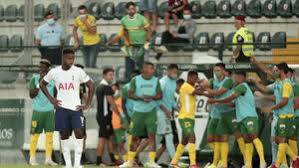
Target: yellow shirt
x=88 y=38
x=187 y=101
x=123 y=34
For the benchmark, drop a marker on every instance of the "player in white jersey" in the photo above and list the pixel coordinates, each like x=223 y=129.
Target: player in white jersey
x=69 y=116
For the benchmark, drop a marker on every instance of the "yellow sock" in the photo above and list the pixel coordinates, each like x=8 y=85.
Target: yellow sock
x=116 y=157
x=178 y=153
x=260 y=149
x=241 y=144
x=211 y=145
x=129 y=142
x=290 y=152
x=224 y=153
x=131 y=156
x=125 y=157
x=33 y=144
x=293 y=146
x=216 y=155
x=248 y=154
x=49 y=145
x=284 y=159
x=192 y=154
x=152 y=157
x=281 y=153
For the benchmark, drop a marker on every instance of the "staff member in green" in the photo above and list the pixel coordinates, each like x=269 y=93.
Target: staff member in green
x=146 y=91
x=43 y=114
x=242 y=41
x=139 y=34
x=247 y=118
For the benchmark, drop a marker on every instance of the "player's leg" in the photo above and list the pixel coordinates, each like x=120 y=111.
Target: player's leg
x=213 y=141
x=189 y=126
x=102 y=139
x=222 y=132
x=35 y=131
x=49 y=129
x=111 y=149
x=150 y=124
x=161 y=146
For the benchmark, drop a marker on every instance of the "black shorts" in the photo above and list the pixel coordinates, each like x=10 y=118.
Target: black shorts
x=84 y=127
x=105 y=127
x=174 y=132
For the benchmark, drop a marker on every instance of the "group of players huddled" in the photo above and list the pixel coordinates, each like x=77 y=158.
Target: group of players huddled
x=141 y=113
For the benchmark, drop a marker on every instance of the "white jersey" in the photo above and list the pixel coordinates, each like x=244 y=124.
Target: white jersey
x=67 y=83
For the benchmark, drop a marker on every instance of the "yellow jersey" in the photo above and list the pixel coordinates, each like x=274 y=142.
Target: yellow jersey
x=187 y=101
x=88 y=38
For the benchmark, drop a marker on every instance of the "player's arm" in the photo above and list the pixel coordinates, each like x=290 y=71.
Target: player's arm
x=75 y=34
x=148 y=30
x=43 y=86
x=261 y=87
x=116 y=38
x=286 y=92
x=158 y=95
x=131 y=91
x=124 y=102
x=90 y=86
x=227 y=100
x=262 y=67
x=237 y=50
x=38 y=37
x=33 y=89
x=91 y=27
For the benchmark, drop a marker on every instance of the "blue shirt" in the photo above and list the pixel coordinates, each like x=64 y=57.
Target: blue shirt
x=50 y=35
x=168 y=87
x=41 y=103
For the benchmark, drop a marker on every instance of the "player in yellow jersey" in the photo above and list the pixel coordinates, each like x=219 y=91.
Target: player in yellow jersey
x=188 y=92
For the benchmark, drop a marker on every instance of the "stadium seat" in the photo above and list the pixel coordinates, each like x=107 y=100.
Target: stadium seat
x=202 y=41
x=295 y=9
x=3 y=43
x=120 y=10
x=103 y=42
x=196 y=9
x=55 y=8
x=239 y=8
x=69 y=40
x=209 y=9
x=162 y=9
x=115 y=47
x=264 y=40
x=269 y=9
x=254 y=9
x=284 y=8
x=229 y=40
x=11 y=13
x=95 y=10
x=107 y=11
x=16 y=43
x=137 y=7
x=21 y=13
x=224 y=9
x=39 y=12
x=217 y=41
x=279 y=39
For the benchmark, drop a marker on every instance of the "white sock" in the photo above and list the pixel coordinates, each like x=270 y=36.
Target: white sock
x=66 y=152
x=78 y=152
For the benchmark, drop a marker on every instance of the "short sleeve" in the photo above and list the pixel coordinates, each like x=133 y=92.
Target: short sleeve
x=296 y=90
x=187 y=89
x=76 y=24
x=286 y=90
x=108 y=90
x=32 y=83
x=133 y=85
x=228 y=84
x=92 y=20
x=49 y=76
x=121 y=32
x=240 y=39
x=240 y=89
x=83 y=77
x=145 y=22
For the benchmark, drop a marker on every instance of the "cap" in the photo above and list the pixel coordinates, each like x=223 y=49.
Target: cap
x=45 y=61
x=48 y=13
x=241 y=18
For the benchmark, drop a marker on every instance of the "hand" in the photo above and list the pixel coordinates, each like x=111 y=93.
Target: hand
x=84 y=19
x=205 y=84
x=82 y=107
x=266 y=110
x=211 y=101
x=253 y=59
x=174 y=11
x=76 y=44
x=147 y=98
x=174 y=34
x=55 y=102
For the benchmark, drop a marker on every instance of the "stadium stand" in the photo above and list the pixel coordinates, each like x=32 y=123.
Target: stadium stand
x=239 y=8
x=269 y=9
x=162 y=9
x=279 y=40
x=196 y=9
x=3 y=43
x=95 y=10
x=202 y=40
x=102 y=47
x=120 y=10
x=264 y=40
x=115 y=47
x=107 y=11
x=284 y=9
x=209 y=9
x=217 y=41
x=55 y=8
x=295 y=9
x=11 y=13
x=224 y=9
x=228 y=41
x=254 y=9
x=16 y=43
x=1 y=13
x=21 y=13
x=39 y=11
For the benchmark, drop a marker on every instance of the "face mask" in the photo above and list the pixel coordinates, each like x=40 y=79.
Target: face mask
x=116 y=94
x=173 y=76
x=132 y=16
x=187 y=17
x=217 y=75
x=51 y=21
x=82 y=16
x=276 y=75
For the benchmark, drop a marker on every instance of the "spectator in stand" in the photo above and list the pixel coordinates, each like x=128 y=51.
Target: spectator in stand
x=175 y=10
x=50 y=38
x=91 y=39
x=184 y=33
x=149 y=9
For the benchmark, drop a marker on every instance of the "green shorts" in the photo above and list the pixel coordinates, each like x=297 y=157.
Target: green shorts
x=227 y=124
x=284 y=127
x=187 y=126
x=296 y=127
x=42 y=121
x=144 y=122
x=249 y=125
x=127 y=124
x=212 y=126
x=119 y=136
